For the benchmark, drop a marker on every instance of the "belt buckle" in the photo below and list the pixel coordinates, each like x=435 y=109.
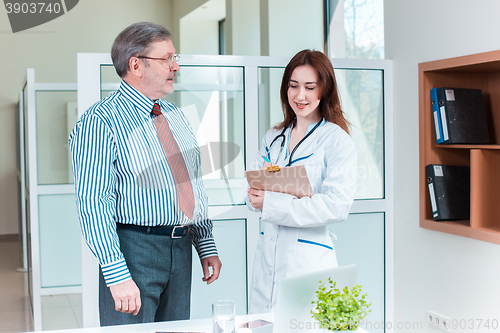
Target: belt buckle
x=173 y=232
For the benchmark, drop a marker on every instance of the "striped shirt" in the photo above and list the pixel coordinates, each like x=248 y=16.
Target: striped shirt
x=122 y=175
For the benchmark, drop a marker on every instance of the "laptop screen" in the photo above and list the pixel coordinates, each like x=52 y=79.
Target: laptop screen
x=296 y=293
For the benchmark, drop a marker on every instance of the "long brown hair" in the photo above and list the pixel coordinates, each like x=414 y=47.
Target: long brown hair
x=329 y=105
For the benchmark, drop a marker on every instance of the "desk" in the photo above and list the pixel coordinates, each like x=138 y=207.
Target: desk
x=196 y=325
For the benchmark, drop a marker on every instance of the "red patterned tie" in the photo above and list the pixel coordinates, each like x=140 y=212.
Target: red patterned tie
x=176 y=161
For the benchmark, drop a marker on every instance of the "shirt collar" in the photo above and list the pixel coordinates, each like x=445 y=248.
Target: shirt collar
x=309 y=127
x=142 y=103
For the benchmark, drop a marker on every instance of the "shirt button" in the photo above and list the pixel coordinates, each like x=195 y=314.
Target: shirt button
x=270 y=273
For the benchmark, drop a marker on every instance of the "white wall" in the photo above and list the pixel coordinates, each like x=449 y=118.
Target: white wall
x=243 y=27
x=454 y=276
x=181 y=8
x=294 y=26
x=206 y=39
x=51 y=49
x=199 y=30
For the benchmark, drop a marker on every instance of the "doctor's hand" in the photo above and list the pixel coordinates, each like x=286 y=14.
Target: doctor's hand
x=256 y=198
x=216 y=265
x=266 y=165
x=127 y=297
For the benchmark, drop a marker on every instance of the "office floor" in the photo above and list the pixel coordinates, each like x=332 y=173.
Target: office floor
x=15 y=309
x=61 y=312
x=58 y=312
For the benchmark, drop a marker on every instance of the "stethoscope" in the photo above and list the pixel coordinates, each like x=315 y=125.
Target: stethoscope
x=283 y=140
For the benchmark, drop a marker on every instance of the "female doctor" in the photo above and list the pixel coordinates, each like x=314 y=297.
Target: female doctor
x=314 y=133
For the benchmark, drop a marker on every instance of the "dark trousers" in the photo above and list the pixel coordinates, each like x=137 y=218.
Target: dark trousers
x=161 y=268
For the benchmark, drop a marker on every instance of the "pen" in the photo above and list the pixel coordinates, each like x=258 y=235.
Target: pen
x=266 y=159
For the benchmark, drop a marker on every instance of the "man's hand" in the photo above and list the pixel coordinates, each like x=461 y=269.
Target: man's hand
x=216 y=265
x=127 y=297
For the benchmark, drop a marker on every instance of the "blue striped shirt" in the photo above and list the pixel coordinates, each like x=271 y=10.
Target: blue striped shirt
x=122 y=175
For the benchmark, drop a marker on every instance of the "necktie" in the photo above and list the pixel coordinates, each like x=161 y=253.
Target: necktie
x=176 y=162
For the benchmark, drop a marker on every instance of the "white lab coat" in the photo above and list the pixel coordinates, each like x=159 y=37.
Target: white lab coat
x=294 y=238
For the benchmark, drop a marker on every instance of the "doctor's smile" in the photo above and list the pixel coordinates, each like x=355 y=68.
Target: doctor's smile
x=301 y=105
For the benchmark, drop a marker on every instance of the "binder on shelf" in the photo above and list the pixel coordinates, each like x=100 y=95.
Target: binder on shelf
x=437 y=116
x=462 y=115
x=449 y=191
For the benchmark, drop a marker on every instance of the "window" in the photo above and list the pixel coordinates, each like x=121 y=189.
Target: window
x=355 y=28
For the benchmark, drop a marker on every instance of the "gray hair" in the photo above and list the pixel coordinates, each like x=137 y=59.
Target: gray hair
x=136 y=40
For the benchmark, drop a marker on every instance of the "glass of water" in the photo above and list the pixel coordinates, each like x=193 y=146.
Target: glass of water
x=223 y=316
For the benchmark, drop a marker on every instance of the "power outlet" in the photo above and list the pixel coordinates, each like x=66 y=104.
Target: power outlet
x=438 y=321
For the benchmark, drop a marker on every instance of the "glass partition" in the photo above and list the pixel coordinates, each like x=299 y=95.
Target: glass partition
x=56 y=116
x=29 y=252
x=212 y=100
x=26 y=137
x=19 y=161
x=60 y=264
x=361 y=94
x=19 y=169
x=360 y=240
x=229 y=235
x=29 y=264
x=52 y=230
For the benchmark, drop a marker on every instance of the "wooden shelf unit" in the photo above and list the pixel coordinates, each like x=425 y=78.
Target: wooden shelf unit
x=478 y=71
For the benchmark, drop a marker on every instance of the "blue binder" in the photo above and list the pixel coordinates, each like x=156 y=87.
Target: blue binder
x=463 y=116
x=437 y=116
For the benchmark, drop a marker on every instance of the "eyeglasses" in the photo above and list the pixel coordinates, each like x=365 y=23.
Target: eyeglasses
x=169 y=60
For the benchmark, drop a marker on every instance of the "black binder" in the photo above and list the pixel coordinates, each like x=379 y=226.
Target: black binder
x=463 y=116
x=449 y=190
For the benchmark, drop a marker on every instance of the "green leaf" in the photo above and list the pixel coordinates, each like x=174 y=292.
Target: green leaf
x=340 y=308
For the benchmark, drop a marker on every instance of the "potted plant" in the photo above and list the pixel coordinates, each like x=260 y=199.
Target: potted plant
x=339 y=310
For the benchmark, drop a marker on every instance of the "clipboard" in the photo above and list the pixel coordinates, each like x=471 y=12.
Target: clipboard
x=290 y=180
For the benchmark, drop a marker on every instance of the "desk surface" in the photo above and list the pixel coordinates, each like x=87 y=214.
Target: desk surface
x=196 y=325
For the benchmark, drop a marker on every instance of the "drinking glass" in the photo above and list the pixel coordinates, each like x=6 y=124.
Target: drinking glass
x=223 y=316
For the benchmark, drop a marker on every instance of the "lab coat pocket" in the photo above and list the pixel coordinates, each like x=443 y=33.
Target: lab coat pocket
x=315 y=255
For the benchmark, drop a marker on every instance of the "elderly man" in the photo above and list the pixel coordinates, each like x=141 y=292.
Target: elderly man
x=139 y=192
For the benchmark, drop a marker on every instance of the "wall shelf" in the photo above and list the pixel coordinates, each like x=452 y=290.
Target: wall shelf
x=478 y=71
x=468 y=146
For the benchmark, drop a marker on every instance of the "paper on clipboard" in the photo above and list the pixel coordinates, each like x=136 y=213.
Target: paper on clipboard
x=291 y=180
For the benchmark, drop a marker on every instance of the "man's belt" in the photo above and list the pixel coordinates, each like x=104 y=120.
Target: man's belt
x=173 y=231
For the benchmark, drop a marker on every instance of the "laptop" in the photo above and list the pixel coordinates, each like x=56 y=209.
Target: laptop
x=295 y=294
